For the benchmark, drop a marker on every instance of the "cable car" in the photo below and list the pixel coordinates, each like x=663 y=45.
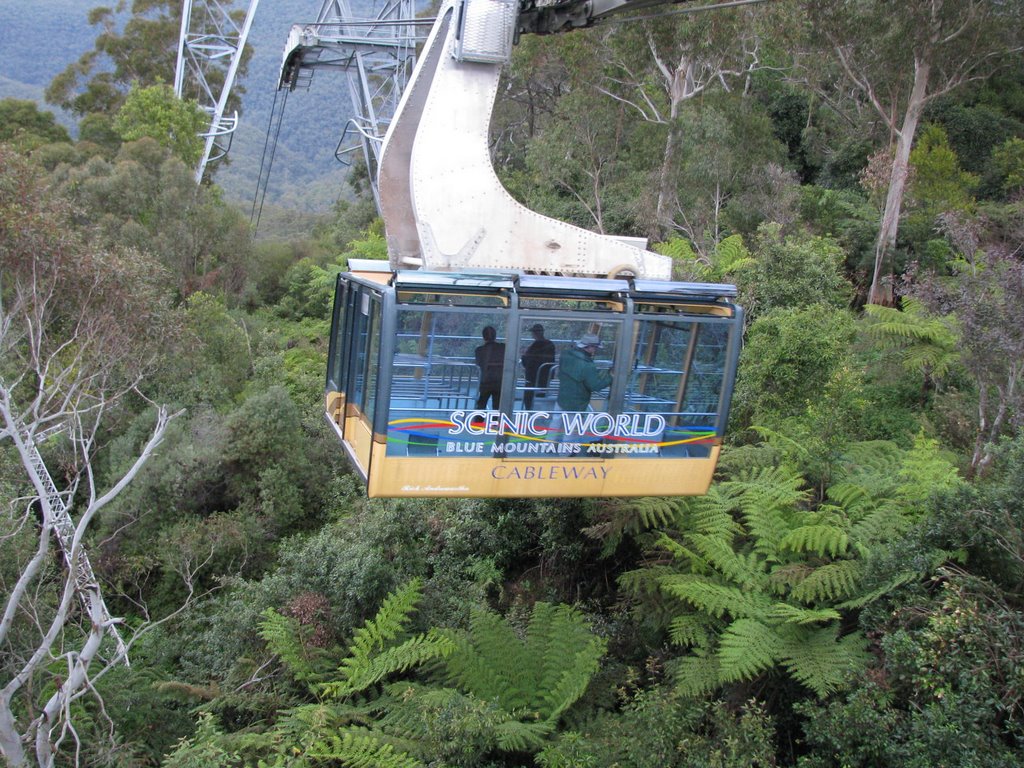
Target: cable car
x=630 y=397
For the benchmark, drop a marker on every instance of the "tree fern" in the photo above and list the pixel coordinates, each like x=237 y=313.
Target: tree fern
x=793 y=614
x=373 y=654
x=738 y=567
x=820 y=659
x=360 y=750
x=696 y=674
x=713 y=598
x=391 y=619
x=830 y=582
x=519 y=736
x=923 y=342
x=414 y=652
x=539 y=675
x=691 y=629
x=620 y=518
x=820 y=539
x=746 y=648
x=283 y=637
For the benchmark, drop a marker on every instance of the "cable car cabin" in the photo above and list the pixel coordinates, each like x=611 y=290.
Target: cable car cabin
x=580 y=387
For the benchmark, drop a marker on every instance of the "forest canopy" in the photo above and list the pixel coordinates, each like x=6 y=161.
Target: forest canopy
x=848 y=593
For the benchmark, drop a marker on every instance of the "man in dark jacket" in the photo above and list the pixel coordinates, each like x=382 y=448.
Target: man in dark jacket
x=490 y=359
x=578 y=376
x=537 y=359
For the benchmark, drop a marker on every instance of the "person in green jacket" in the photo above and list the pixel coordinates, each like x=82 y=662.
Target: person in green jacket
x=578 y=375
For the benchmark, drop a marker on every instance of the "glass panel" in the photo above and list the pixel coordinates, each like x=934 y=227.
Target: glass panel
x=338 y=344
x=452 y=299
x=575 y=305
x=541 y=356
x=361 y=325
x=369 y=399
x=677 y=375
x=448 y=362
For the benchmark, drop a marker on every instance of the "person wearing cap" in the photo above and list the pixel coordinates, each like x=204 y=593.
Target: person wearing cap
x=537 y=359
x=578 y=375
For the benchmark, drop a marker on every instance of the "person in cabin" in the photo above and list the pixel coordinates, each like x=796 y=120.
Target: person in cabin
x=490 y=359
x=537 y=359
x=578 y=375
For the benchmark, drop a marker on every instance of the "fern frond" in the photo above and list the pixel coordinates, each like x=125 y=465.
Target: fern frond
x=691 y=629
x=852 y=497
x=414 y=652
x=791 y=614
x=819 y=660
x=631 y=517
x=491 y=662
x=696 y=674
x=711 y=514
x=869 y=597
x=683 y=554
x=393 y=616
x=873 y=463
x=519 y=736
x=829 y=582
x=744 y=570
x=823 y=540
x=283 y=637
x=883 y=523
x=361 y=750
x=713 y=598
x=746 y=649
x=924 y=342
x=731 y=255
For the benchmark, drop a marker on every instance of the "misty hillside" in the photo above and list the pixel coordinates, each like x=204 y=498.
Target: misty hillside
x=39 y=39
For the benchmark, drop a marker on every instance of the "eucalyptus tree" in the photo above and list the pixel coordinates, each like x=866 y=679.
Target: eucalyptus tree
x=900 y=57
x=657 y=66
x=79 y=328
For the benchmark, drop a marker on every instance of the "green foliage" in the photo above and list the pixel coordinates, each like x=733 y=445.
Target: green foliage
x=729 y=257
x=289 y=641
x=1008 y=159
x=144 y=197
x=157 y=113
x=658 y=728
x=847 y=216
x=792 y=272
x=923 y=342
x=790 y=356
x=373 y=655
x=761 y=579
x=26 y=128
x=537 y=676
x=945 y=690
x=203 y=749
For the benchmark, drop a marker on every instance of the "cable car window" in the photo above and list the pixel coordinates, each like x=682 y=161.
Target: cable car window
x=339 y=341
x=677 y=373
x=366 y=344
x=446 y=361
x=584 y=349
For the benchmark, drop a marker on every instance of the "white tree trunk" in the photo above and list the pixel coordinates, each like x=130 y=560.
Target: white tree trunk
x=882 y=293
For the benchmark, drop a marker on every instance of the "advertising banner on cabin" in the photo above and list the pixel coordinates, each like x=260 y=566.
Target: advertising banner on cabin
x=550 y=434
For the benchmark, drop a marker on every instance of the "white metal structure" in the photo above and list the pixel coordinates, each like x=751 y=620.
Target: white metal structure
x=210 y=49
x=442 y=203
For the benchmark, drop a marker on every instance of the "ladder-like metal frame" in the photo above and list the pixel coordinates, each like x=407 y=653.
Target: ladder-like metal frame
x=211 y=42
x=376 y=54
x=79 y=567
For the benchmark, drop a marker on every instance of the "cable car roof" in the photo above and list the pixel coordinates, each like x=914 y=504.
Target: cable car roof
x=559 y=285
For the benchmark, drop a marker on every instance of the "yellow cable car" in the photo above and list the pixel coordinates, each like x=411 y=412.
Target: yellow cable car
x=499 y=384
